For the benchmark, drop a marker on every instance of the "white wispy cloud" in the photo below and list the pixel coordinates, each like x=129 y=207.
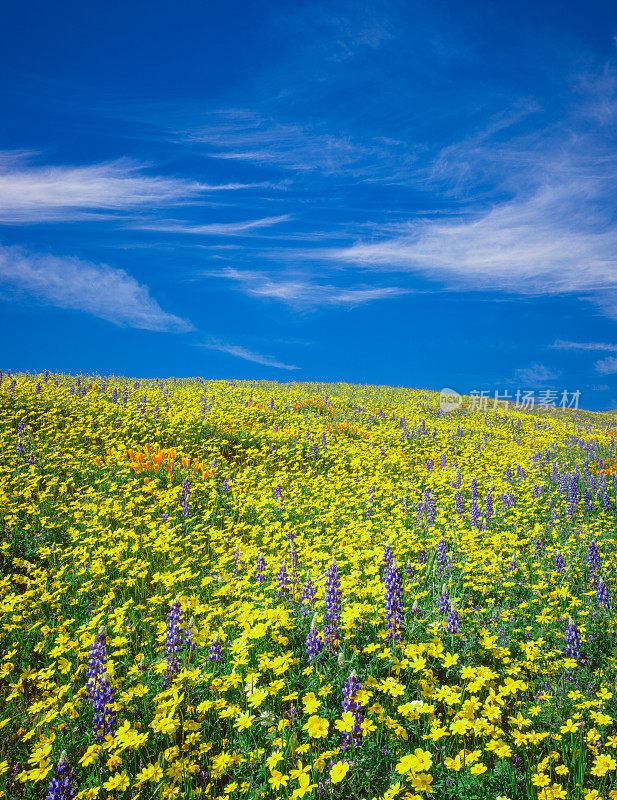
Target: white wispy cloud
x=535 y=375
x=248 y=355
x=302 y=294
x=560 y=344
x=30 y=193
x=539 y=218
x=97 y=289
x=606 y=366
x=214 y=228
x=244 y=135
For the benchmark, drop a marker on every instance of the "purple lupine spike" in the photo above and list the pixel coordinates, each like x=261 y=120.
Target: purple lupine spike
x=572 y=638
x=593 y=557
x=215 y=652
x=539 y=549
x=104 y=720
x=394 y=601
x=508 y=474
x=62 y=786
x=314 y=642
x=260 y=568
x=559 y=562
x=442 y=555
x=97 y=664
x=489 y=505
x=453 y=624
x=420 y=510
x=474 y=489
x=443 y=604
x=278 y=492
x=186 y=491
x=430 y=507
x=333 y=602
x=536 y=490
x=387 y=558
x=573 y=496
x=606 y=501
x=350 y=691
x=475 y=514
x=175 y=638
x=602 y=595
x=512 y=565
x=225 y=486
x=282 y=581
x=459 y=503
x=307 y=600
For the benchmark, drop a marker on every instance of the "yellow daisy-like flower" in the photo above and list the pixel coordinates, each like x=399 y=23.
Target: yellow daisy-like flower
x=153 y=773
x=244 y=721
x=338 y=771
x=119 y=781
x=317 y=727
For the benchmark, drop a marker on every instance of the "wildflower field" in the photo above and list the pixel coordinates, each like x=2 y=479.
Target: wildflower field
x=230 y=589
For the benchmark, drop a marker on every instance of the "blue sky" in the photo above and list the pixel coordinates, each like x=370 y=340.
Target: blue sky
x=397 y=193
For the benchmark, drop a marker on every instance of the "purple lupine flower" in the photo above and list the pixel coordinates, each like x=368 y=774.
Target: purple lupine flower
x=97 y=664
x=536 y=490
x=593 y=557
x=474 y=489
x=104 y=720
x=442 y=555
x=489 y=505
x=539 y=549
x=260 y=568
x=394 y=601
x=278 y=492
x=37 y=390
x=314 y=642
x=559 y=562
x=282 y=582
x=114 y=396
x=606 y=501
x=508 y=474
x=420 y=510
x=323 y=439
x=333 y=602
x=572 y=638
x=443 y=604
x=225 y=486
x=215 y=652
x=430 y=507
x=62 y=786
x=475 y=514
x=573 y=496
x=453 y=624
x=307 y=600
x=459 y=504
x=350 y=690
x=186 y=491
x=387 y=559
x=409 y=570
x=602 y=595
x=175 y=639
